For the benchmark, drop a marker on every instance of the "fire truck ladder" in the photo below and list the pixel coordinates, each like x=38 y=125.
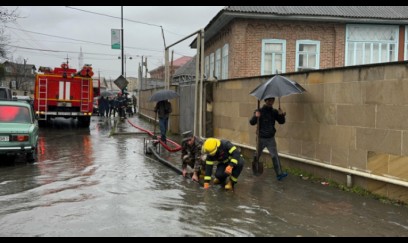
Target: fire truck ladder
x=85 y=95
x=42 y=97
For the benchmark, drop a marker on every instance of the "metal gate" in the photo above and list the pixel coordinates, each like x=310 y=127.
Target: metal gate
x=187 y=92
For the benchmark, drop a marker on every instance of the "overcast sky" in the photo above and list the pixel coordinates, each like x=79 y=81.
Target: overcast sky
x=51 y=33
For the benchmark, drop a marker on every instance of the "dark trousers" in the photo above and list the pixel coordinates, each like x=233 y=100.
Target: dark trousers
x=220 y=171
x=163 y=123
x=270 y=144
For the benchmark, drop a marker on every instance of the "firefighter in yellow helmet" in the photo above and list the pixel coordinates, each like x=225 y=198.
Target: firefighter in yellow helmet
x=229 y=162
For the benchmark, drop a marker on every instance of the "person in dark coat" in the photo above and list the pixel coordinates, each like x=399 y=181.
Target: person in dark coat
x=268 y=116
x=163 y=109
x=122 y=103
x=103 y=106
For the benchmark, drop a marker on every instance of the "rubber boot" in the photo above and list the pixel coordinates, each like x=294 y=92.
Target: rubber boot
x=278 y=169
x=216 y=181
x=202 y=174
x=229 y=186
x=276 y=166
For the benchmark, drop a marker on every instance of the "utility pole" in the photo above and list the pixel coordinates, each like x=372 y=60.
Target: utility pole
x=24 y=79
x=121 y=36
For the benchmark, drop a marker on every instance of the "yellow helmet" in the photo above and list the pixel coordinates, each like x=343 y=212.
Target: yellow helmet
x=210 y=146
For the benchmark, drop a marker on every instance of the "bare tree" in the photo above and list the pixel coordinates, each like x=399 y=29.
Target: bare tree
x=6 y=16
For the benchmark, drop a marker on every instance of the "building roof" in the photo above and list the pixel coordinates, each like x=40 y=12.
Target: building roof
x=340 y=14
x=176 y=63
x=181 y=61
x=372 y=12
x=187 y=69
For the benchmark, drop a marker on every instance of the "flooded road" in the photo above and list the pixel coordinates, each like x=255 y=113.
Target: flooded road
x=89 y=183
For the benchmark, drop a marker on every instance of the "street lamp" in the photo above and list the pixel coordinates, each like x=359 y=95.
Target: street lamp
x=130 y=58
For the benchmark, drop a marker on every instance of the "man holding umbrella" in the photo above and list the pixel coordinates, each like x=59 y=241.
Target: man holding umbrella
x=267 y=116
x=163 y=109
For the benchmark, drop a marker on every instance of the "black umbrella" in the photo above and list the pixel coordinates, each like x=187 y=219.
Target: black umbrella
x=277 y=86
x=167 y=94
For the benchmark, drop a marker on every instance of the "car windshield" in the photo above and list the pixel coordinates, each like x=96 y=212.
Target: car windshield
x=14 y=114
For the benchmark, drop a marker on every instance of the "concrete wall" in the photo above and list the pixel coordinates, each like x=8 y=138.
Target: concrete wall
x=352 y=117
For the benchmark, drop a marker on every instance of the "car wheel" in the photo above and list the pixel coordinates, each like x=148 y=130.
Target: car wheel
x=32 y=156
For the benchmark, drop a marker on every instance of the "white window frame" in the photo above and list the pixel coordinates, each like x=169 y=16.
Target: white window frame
x=224 y=68
x=207 y=66
x=211 y=65
x=316 y=65
x=218 y=63
x=368 y=47
x=283 y=53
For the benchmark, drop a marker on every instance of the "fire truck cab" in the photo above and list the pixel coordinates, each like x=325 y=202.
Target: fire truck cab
x=64 y=92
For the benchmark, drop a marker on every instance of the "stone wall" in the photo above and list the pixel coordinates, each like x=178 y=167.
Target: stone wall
x=350 y=117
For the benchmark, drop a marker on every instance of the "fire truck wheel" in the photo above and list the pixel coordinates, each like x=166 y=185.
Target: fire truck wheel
x=84 y=121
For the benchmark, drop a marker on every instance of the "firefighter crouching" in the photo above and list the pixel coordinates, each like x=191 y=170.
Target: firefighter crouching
x=229 y=162
x=191 y=155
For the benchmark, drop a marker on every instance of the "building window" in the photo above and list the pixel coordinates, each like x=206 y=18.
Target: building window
x=366 y=44
x=8 y=69
x=206 y=66
x=211 y=65
x=218 y=63
x=224 y=69
x=307 y=55
x=273 y=56
x=406 y=43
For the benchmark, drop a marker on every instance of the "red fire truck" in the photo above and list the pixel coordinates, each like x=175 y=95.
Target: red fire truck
x=64 y=92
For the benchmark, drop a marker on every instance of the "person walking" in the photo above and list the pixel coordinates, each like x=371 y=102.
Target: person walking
x=191 y=147
x=163 y=109
x=134 y=100
x=229 y=162
x=121 y=99
x=267 y=116
x=103 y=106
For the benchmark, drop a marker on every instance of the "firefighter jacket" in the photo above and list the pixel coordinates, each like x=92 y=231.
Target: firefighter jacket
x=267 y=121
x=226 y=153
x=194 y=154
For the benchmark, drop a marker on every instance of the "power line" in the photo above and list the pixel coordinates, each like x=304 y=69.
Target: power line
x=90 y=42
x=130 y=20
x=77 y=52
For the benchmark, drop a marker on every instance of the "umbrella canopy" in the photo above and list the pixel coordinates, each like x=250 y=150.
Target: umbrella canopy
x=163 y=95
x=107 y=93
x=277 y=86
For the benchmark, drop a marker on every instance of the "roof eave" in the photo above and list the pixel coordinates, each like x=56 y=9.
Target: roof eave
x=225 y=17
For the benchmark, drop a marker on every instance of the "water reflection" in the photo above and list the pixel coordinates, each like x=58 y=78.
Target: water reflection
x=89 y=183
x=64 y=154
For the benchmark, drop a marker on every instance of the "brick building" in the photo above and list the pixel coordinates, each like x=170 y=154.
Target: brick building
x=243 y=41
